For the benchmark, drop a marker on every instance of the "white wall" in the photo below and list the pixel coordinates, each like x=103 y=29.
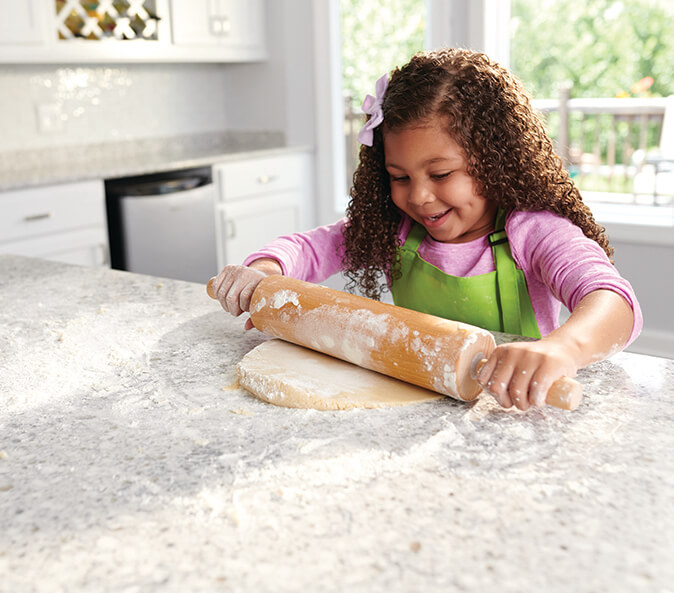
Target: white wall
x=101 y=103
x=481 y=25
x=642 y=237
x=644 y=255
x=299 y=91
x=279 y=93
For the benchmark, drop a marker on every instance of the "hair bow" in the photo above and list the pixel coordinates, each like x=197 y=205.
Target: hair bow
x=373 y=107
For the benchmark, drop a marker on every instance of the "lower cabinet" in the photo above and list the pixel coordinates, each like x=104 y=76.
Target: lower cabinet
x=260 y=199
x=244 y=227
x=63 y=222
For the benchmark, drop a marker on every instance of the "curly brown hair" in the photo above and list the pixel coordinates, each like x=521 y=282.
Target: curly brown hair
x=509 y=155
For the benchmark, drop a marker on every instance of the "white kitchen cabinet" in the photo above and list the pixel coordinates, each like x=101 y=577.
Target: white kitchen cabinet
x=31 y=31
x=226 y=24
x=46 y=31
x=21 y=23
x=260 y=199
x=64 y=222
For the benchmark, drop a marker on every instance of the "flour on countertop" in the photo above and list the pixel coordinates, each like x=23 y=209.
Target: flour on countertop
x=133 y=488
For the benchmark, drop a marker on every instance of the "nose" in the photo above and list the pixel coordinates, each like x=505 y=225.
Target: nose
x=420 y=194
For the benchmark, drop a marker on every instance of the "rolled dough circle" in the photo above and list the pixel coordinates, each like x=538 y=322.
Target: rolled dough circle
x=284 y=374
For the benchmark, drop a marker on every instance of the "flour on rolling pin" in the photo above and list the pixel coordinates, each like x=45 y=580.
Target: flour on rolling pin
x=287 y=375
x=424 y=350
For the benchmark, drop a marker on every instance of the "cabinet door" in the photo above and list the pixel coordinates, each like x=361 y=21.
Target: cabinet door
x=21 y=22
x=241 y=23
x=191 y=22
x=244 y=227
x=218 y=23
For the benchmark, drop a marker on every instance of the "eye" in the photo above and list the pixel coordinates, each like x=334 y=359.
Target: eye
x=440 y=176
x=398 y=178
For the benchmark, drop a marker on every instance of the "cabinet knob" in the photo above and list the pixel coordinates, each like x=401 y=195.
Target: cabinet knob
x=221 y=26
x=265 y=179
x=216 y=26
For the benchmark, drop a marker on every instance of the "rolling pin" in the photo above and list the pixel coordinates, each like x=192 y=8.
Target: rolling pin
x=431 y=352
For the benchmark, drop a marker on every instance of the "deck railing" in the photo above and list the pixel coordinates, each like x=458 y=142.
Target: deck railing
x=353 y=121
x=596 y=138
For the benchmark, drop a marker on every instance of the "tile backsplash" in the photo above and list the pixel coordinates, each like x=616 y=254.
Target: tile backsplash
x=45 y=106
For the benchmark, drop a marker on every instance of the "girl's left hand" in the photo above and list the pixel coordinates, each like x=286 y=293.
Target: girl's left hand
x=521 y=373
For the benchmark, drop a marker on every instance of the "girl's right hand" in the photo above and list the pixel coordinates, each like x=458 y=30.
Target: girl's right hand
x=234 y=285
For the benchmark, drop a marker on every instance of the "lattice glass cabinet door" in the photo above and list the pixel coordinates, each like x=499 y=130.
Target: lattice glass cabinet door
x=120 y=20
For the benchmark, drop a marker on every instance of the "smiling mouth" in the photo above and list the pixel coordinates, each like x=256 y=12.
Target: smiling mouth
x=437 y=217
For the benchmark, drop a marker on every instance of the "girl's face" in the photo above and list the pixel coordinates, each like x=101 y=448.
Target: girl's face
x=429 y=183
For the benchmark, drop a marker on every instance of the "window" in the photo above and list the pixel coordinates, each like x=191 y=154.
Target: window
x=377 y=36
x=600 y=71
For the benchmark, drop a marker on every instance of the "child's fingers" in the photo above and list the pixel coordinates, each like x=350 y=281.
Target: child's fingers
x=510 y=375
x=221 y=284
x=234 y=288
x=518 y=389
x=541 y=382
x=226 y=293
x=495 y=379
x=247 y=291
x=241 y=291
x=521 y=374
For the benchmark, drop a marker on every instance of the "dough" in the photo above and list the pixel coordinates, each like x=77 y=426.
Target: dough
x=284 y=374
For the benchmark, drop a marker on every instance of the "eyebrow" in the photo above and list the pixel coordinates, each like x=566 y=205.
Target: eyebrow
x=450 y=160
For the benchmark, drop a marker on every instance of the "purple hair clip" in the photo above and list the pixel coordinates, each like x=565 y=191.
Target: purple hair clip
x=373 y=107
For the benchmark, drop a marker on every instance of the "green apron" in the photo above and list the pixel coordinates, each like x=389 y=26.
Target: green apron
x=497 y=301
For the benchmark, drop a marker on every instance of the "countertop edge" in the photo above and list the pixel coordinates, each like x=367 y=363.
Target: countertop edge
x=107 y=161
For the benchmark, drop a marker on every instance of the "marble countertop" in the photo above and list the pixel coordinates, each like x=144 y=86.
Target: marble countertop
x=131 y=462
x=110 y=160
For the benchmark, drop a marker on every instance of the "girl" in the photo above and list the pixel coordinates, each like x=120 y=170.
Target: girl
x=461 y=208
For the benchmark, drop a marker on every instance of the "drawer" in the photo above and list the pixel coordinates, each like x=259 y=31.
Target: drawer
x=86 y=247
x=51 y=209
x=251 y=177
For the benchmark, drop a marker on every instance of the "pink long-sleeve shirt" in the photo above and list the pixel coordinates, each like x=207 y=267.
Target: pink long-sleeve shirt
x=560 y=264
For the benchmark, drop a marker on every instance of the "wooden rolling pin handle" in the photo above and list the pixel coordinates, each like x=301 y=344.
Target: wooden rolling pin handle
x=210 y=290
x=565 y=393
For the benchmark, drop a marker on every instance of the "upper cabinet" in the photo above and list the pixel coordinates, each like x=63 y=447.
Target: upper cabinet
x=232 y=24
x=21 y=23
x=85 y=31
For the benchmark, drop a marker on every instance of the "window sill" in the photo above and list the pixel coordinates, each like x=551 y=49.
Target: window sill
x=635 y=223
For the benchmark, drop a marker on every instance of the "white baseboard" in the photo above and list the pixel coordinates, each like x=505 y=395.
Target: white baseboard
x=654 y=342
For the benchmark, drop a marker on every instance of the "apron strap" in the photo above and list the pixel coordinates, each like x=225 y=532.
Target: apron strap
x=415 y=237
x=506 y=277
